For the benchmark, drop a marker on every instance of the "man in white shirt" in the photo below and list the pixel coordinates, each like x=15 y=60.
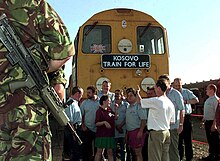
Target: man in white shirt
x=161 y=114
x=175 y=129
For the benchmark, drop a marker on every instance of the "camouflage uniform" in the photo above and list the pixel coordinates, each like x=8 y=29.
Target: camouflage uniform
x=24 y=130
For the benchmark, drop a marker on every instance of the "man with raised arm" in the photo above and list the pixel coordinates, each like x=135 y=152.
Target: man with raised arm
x=175 y=129
x=161 y=115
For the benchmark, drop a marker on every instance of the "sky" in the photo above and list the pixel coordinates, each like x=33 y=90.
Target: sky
x=193 y=28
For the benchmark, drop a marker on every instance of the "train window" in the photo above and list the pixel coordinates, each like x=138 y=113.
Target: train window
x=96 y=39
x=151 y=39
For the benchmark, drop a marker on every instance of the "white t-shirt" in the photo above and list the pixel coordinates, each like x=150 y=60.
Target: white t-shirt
x=161 y=112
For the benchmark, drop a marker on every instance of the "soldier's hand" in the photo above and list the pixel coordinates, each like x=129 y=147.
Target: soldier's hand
x=60 y=89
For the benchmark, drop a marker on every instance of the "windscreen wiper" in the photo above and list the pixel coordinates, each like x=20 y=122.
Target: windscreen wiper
x=145 y=29
x=91 y=27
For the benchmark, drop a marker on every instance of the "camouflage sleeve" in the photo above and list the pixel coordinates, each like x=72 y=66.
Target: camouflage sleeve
x=38 y=22
x=57 y=77
x=54 y=33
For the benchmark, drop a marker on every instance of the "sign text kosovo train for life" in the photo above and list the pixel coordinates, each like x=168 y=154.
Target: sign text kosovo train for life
x=125 y=61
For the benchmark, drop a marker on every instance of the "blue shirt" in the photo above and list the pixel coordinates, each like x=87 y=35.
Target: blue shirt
x=187 y=95
x=111 y=95
x=134 y=115
x=210 y=107
x=121 y=117
x=73 y=112
x=177 y=100
x=88 y=110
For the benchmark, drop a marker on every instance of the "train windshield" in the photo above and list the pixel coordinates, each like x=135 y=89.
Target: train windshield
x=150 y=40
x=96 y=39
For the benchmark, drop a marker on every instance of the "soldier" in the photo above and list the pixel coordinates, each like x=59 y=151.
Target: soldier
x=24 y=129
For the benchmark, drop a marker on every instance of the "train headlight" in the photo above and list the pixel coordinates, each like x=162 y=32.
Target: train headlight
x=124 y=46
x=147 y=82
x=99 y=82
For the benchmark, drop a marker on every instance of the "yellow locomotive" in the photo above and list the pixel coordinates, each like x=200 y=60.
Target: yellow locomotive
x=125 y=46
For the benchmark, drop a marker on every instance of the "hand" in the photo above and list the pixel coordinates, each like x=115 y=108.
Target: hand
x=107 y=125
x=84 y=128
x=60 y=89
x=119 y=129
x=56 y=64
x=116 y=106
x=213 y=128
x=180 y=129
x=139 y=134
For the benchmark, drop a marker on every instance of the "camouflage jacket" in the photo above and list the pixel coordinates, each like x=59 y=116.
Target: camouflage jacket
x=57 y=77
x=36 y=22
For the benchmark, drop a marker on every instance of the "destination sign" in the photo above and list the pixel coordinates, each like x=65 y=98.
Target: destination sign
x=125 y=61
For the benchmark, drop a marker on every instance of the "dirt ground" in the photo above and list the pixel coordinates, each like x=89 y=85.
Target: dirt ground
x=199 y=151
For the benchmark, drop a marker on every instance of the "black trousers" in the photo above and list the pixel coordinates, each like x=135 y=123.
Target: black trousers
x=57 y=139
x=71 y=146
x=130 y=154
x=145 y=148
x=185 y=139
x=212 y=138
x=88 y=146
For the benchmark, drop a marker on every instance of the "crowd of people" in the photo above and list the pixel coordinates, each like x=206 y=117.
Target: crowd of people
x=156 y=127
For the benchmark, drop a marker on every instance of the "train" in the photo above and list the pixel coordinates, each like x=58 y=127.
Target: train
x=124 y=46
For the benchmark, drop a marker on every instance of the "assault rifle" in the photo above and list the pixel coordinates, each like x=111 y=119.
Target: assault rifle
x=36 y=79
